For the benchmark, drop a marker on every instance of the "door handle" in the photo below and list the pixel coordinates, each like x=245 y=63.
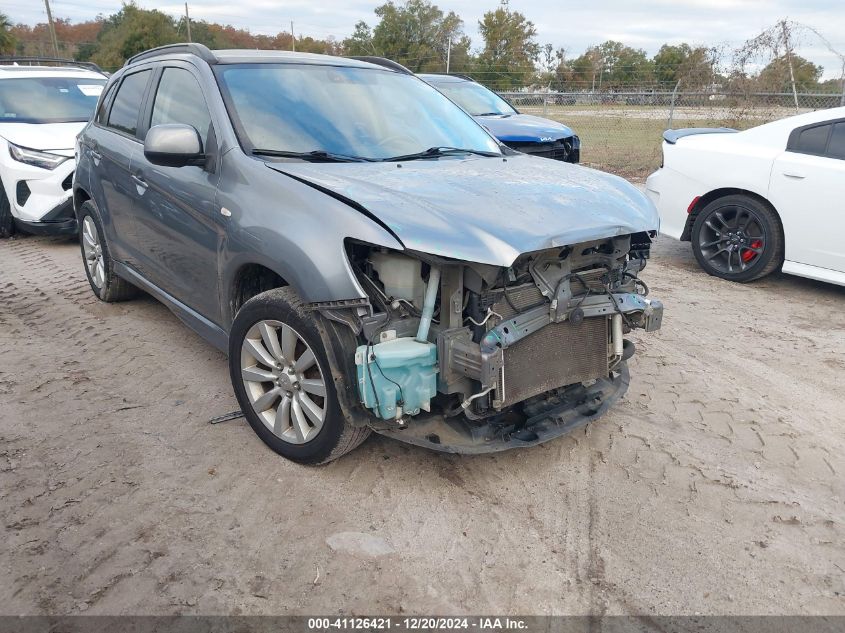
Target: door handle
x=794 y=175
x=140 y=183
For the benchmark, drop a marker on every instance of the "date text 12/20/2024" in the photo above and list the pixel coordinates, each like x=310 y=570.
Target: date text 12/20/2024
x=417 y=624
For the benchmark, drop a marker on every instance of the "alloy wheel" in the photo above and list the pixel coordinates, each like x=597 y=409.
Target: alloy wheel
x=283 y=381
x=93 y=250
x=732 y=239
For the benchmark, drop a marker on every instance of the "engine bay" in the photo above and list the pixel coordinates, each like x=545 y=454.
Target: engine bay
x=480 y=344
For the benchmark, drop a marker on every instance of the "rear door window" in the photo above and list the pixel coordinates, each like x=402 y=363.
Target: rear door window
x=127 y=103
x=836 y=146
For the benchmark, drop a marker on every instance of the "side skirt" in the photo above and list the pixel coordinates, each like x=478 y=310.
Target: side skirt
x=212 y=333
x=814 y=272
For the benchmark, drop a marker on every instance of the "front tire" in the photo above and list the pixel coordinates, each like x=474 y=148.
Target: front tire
x=738 y=238
x=99 y=266
x=283 y=382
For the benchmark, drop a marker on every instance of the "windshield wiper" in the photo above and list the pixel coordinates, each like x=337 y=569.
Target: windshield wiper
x=434 y=152
x=491 y=114
x=320 y=156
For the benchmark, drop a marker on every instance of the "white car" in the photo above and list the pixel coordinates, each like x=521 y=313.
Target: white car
x=42 y=109
x=754 y=201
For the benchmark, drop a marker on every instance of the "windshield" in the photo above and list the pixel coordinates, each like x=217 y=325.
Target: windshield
x=474 y=98
x=354 y=112
x=48 y=99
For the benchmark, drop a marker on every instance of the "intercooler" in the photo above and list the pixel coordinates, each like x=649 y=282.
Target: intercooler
x=557 y=355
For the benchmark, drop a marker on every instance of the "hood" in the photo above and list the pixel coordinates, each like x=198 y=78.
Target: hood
x=486 y=210
x=524 y=128
x=43 y=136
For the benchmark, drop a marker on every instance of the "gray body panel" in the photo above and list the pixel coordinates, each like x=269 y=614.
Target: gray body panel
x=487 y=210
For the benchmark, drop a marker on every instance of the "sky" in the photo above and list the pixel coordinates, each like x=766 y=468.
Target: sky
x=574 y=25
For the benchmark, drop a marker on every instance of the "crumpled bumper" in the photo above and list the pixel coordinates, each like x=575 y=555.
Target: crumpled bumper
x=572 y=408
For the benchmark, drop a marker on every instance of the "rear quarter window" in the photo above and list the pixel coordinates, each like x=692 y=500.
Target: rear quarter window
x=811 y=140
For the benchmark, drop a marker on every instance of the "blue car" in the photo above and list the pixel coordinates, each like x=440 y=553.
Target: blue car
x=522 y=132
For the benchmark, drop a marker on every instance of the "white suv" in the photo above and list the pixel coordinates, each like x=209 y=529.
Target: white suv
x=42 y=109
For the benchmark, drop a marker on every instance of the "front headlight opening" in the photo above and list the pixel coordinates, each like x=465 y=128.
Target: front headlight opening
x=33 y=157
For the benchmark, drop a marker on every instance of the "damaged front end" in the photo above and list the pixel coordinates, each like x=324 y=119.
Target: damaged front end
x=471 y=358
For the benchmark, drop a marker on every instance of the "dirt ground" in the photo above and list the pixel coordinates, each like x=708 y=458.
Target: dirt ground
x=715 y=486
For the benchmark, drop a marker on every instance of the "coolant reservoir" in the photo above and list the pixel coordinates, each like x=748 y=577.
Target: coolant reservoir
x=401 y=276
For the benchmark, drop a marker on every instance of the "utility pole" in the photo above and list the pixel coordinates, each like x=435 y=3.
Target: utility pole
x=789 y=61
x=292 y=38
x=448 y=54
x=52 y=28
x=842 y=100
x=188 y=22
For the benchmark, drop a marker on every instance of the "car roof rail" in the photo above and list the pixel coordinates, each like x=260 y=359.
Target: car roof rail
x=199 y=50
x=382 y=61
x=33 y=61
x=458 y=75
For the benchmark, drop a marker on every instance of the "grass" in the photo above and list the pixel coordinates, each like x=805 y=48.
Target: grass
x=622 y=140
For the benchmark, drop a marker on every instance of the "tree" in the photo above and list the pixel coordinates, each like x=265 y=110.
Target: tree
x=510 y=49
x=361 y=41
x=7 y=40
x=775 y=77
x=553 y=70
x=693 y=67
x=613 y=66
x=415 y=34
x=131 y=31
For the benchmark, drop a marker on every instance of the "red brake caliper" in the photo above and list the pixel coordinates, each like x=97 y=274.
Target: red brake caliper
x=747 y=256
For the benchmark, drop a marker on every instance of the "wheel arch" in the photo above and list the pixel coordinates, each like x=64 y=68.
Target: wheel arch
x=80 y=197
x=251 y=279
x=723 y=192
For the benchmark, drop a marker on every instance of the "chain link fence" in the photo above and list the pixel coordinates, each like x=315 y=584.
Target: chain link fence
x=622 y=132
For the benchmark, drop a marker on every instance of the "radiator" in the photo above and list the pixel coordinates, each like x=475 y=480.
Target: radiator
x=557 y=355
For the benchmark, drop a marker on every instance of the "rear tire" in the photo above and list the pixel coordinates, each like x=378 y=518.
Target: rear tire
x=283 y=381
x=7 y=222
x=738 y=238
x=99 y=266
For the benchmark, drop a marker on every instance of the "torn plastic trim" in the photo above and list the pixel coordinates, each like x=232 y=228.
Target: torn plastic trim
x=582 y=405
x=350 y=312
x=337 y=341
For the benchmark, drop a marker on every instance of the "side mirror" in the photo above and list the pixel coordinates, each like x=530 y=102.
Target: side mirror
x=173 y=145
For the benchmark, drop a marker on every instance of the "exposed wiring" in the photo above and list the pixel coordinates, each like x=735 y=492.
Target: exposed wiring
x=616 y=305
x=490 y=313
x=372 y=358
x=370 y=373
x=398 y=386
x=640 y=282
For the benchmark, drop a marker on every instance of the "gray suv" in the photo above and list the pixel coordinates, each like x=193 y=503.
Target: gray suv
x=368 y=255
